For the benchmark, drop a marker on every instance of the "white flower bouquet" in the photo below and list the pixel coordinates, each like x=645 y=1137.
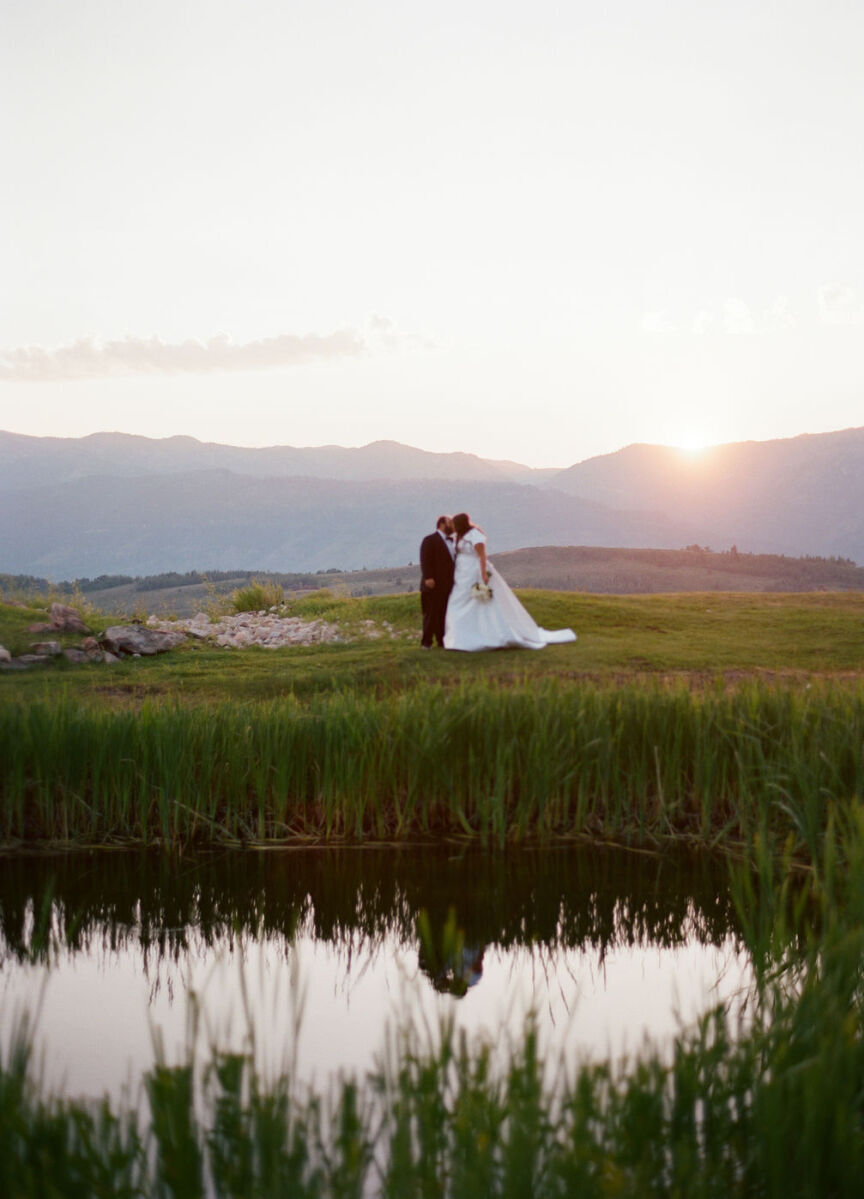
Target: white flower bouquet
x=482 y=592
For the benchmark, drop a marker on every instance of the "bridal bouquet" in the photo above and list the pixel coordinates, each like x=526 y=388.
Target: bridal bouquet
x=482 y=592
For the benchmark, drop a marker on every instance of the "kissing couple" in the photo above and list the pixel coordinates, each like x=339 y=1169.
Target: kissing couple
x=466 y=604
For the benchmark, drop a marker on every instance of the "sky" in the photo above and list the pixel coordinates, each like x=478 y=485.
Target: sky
x=535 y=232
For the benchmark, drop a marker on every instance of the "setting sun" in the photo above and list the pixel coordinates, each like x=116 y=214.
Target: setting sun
x=692 y=442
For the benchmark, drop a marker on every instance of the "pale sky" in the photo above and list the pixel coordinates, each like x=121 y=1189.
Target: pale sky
x=537 y=231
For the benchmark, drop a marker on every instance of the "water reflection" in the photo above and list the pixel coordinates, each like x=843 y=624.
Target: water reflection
x=556 y=898
x=604 y=945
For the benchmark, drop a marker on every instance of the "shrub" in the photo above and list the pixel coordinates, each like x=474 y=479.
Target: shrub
x=257 y=596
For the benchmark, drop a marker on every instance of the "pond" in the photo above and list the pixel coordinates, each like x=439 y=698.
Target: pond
x=315 y=956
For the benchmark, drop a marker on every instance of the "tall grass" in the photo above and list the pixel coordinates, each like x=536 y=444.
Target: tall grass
x=258 y=595
x=537 y=760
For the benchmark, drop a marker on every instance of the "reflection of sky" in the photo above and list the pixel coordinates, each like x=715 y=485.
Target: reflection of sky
x=97 y=1010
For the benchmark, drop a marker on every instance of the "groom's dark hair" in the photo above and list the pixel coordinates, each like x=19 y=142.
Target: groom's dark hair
x=442 y=520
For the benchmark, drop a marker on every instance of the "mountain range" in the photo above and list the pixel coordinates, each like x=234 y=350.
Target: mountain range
x=118 y=503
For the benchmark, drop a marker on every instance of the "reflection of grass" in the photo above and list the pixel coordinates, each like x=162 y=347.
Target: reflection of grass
x=772 y=1108
x=574 y=897
x=538 y=759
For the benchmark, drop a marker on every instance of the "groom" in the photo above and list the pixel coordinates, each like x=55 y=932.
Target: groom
x=436 y=580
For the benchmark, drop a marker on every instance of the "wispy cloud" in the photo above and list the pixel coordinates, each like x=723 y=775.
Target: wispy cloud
x=733 y=316
x=780 y=315
x=840 y=305
x=738 y=318
x=657 y=321
x=89 y=358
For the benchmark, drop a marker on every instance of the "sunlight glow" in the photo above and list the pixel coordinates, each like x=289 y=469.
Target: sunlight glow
x=692 y=442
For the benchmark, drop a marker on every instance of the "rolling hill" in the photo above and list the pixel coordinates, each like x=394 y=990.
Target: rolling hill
x=145 y=525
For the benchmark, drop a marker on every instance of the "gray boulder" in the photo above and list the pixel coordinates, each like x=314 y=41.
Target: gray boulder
x=135 y=639
x=5 y=656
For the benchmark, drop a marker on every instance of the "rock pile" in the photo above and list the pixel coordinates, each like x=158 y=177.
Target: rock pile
x=267 y=629
x=272 y=630
x=115 y=643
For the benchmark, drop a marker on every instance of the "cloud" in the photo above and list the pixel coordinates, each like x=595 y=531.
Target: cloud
x=89 y=358
x=839 y=305
x=779 y=315
x=657 y=322
x=384 y=334
x=737 y=317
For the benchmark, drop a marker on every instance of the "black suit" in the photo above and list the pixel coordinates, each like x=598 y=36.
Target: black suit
x=436 y=563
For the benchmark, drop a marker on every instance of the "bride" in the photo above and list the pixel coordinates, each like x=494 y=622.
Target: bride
x=482 y=611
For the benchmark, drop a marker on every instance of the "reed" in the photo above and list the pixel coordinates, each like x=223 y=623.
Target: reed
x=539 y=760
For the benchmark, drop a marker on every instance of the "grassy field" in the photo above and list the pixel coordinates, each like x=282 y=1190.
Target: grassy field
x=693 y=638
x=710 y=719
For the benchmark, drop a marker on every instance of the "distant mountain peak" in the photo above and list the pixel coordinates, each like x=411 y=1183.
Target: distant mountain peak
x=28 y=461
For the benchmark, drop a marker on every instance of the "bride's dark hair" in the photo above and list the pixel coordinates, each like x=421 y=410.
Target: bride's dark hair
x=462 y=523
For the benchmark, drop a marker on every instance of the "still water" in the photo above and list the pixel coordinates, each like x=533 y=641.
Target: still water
x=311 y=958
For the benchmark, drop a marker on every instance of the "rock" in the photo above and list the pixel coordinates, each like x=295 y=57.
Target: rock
x=267 y=629
x=48 y=649
x=14 y=664
x=90 y=646
x=41 y=628
x=109 y=657
x=67 y=619
x=76 y=655
x=5 y=656
x=136 y=639
x=32 y=659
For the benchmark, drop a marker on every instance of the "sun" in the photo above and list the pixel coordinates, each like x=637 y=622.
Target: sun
x=692 y=441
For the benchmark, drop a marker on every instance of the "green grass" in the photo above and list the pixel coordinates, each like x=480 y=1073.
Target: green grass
x=539 y=759
x=706 y=718
x=257 y=595
x=697 y=637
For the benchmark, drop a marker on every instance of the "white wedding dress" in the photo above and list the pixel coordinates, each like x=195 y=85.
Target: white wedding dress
x=501 y=622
